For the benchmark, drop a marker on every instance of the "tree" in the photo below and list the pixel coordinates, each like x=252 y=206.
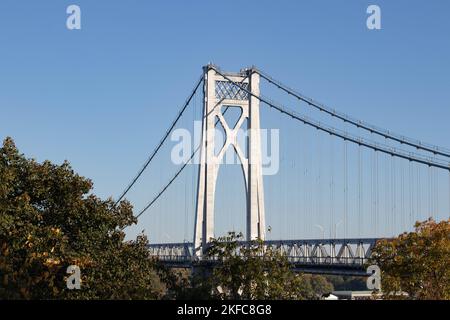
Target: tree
x=416 y=263
x=257 y=272
x=319 y=284
x=49 y=219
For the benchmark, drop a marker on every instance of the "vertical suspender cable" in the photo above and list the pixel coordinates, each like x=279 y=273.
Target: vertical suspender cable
x=419 y=194
x=345 y=189
x=393 y=196
x=359 y=191
x=319 y=179
x=387 y=195
x=402 y=208
x=331 y=186
x=377 y=196
x=411 y=189
x=429 y=213
x=372 y=188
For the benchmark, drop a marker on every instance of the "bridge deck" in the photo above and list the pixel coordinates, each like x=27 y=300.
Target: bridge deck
x=325 y=256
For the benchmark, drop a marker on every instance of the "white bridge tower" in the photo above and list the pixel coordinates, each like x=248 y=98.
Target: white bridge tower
x=219 y=90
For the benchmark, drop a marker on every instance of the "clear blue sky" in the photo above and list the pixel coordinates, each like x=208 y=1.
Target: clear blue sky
x=102 y=96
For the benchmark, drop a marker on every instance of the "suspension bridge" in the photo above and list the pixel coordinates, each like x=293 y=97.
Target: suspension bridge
x=289 y=173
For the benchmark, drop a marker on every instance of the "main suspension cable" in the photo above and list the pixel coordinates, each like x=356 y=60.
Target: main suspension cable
x=358 y=123
x=179 y=170
x=164 y=138
x=433 y=162
x=189 y=160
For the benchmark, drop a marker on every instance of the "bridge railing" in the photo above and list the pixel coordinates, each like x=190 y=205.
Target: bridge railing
x=333 y=252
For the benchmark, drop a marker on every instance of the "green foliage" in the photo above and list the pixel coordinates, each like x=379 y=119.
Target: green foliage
x=257 y=272
x=319 y=284
x=50 y=220
x=416 y=263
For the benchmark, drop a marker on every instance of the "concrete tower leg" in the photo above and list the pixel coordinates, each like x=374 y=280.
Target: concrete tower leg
x=219 y=91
